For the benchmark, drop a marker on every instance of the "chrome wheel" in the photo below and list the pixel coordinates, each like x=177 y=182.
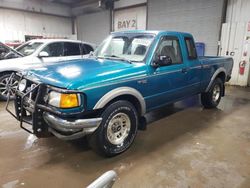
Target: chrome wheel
x=118 y=128
x=216 y=93
x=7 y=85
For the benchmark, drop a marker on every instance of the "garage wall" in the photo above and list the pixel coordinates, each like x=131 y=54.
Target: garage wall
x=238 y=11
x=127 y=3
x=15 y=24
x=38 y=6
x=93 y=27
x=202 y=18
x=236 y=39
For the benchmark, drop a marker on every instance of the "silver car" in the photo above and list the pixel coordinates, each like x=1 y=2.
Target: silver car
x=37 y=53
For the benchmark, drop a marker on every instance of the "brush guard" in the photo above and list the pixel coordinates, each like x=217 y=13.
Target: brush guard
x=27 y=110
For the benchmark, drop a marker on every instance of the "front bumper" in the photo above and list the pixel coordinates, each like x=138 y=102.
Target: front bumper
x=31 y=109
x=79 y=127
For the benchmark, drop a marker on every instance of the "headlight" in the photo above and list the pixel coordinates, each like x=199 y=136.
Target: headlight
x=22 y=85
x=64 y=100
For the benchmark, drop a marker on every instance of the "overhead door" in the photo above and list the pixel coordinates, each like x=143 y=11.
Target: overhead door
x=93 y=27
x=202 y=18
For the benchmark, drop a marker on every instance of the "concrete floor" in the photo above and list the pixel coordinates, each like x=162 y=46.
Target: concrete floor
x=184 y=146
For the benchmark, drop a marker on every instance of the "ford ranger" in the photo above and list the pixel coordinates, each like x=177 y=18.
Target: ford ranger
x=105 y=96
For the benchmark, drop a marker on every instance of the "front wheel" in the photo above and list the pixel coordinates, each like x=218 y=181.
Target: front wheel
x=7 y=85
x=117 y=131
x=212 y=98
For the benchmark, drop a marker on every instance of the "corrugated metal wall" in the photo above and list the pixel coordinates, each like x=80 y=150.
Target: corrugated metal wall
x=127 y=3
x=238 y=11
x=93 y=27
x=238 y=15
x=15 y=24
x=202 y=18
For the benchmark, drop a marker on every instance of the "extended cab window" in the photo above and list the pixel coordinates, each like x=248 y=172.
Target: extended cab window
x=170 y=47
x=71 y=49
x=190 y=48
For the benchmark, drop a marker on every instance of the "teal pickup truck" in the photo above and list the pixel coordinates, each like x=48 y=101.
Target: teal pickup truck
x=105 y=95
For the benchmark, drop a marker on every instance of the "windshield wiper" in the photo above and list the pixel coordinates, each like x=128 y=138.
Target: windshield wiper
x=116 y=57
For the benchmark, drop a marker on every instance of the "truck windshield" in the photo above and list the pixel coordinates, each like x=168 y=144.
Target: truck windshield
x=29 y=48
x=130 y=47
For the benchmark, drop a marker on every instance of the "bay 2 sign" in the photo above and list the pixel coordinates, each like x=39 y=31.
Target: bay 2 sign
x=130 y=19
x=125 y=22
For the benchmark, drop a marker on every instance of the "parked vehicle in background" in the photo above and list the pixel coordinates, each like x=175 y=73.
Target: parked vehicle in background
x=104 y=97
x=37 y=53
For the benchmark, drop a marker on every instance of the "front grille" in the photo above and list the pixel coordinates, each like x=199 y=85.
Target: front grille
x=31 y=90
x=29 y=94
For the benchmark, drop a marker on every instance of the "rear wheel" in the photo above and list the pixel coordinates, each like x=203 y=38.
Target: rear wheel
x=5 y=88
x=117 y=131
x=212 y=98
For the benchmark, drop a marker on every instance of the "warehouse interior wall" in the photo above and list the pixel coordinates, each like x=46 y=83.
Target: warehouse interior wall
x=14 y=24
x=49 y=7
x=238 y=11
x=236 y=41
x=128 y=3
x=202 y=18
x=93 y=27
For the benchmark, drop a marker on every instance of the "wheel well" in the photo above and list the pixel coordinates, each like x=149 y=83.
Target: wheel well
x=132 y=99
x=6 y=72
x=222 y=76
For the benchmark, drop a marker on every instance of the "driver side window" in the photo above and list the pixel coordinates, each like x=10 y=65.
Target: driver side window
x=169 y=47
x=54 y=49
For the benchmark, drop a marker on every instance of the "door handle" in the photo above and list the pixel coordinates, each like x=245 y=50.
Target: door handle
x=184 y=70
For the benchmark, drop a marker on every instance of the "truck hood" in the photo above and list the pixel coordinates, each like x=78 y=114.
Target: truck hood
x=85 y=73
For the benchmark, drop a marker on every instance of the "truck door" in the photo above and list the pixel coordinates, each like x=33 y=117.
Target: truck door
x=168 y=83
x=194 y=70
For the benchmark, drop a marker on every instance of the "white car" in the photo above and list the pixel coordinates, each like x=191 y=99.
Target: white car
x=36 y=53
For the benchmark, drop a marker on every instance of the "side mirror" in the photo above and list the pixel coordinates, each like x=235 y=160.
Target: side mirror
x=162 y=61
x=43 y=54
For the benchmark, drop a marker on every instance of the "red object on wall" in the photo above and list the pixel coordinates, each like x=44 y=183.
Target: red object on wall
x=242 y=66
x=248 y=26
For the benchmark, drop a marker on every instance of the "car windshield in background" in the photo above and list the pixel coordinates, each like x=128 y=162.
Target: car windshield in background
x=8 y=53
x=29 y=48
x=130 y=47
x=3 y=51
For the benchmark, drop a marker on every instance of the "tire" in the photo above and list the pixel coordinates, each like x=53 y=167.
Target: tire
x=117 y=130
x=212 y=98
x=4 y=88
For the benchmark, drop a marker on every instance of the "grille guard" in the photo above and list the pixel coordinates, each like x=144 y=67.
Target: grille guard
x=20 y=110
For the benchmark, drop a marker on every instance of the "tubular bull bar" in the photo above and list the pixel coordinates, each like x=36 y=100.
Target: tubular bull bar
x=26 y=109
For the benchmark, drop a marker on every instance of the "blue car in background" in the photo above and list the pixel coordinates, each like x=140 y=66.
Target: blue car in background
x=105 y=96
